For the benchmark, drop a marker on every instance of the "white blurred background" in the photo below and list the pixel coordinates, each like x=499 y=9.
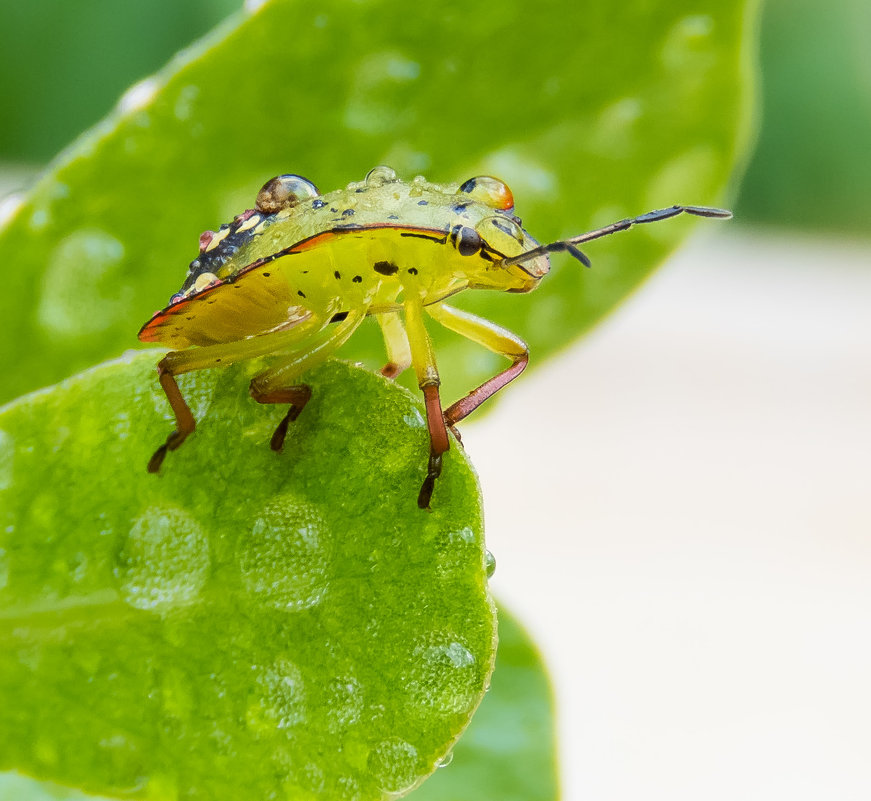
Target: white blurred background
x=700 y=583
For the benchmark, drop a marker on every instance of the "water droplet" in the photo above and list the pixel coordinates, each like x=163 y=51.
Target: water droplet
x=444 y=676
x=614 y=131
x=394 y=764
x=280 y=700
x=7 y=455
x=689 y=46
x=285 y=558
x=348 y=789
x=380 y=175
x=380 y=97
x=489 y=564
x=693 y=173
x=84 y=290
x=344 y=702
x=446 y=760
x=9 y=207
x=138 y=96
x=525 y=176
x=164 y=561
x=39 y=219
x=184 y=102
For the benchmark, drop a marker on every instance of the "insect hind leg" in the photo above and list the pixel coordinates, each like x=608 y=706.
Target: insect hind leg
x=278 y=383
x=297 y=396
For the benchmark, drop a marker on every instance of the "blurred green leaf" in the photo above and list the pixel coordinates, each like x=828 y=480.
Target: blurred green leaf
x=246 y=624
x=590 y=112
x=88 y=53
x=506 y=753
x=811 y=167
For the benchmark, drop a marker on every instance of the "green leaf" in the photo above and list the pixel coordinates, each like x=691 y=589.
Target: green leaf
x=591 y=112
x=506 y=753
x=246 y=624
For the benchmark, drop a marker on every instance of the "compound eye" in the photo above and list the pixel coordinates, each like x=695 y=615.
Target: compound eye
x=467 y=241
x=284 y=191
x=489 y=191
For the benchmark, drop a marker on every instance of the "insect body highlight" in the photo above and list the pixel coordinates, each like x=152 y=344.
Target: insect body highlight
x=294 y=277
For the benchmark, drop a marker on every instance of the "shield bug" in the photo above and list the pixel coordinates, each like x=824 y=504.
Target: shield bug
x=294 y=277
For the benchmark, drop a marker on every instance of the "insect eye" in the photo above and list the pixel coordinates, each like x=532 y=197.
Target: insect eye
x=284 y=191
x=490 y=191
x=467 y=241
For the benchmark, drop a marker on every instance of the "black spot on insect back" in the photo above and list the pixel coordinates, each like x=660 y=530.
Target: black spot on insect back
x=338 y=317
x=357 y=279
x=385 y=267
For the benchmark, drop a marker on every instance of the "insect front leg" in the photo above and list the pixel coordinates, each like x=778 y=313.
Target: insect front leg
x=423 y=359
x=494 y=338
x=185 y=361
x=276 y=385
x=396 y=343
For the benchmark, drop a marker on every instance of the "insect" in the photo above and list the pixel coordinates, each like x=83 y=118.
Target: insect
x=294 y=277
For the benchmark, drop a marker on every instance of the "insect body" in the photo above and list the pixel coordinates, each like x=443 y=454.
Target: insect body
x=297 y=274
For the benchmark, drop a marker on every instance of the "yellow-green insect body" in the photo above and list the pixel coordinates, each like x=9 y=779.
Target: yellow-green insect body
x=367 y=247
x=295 y=276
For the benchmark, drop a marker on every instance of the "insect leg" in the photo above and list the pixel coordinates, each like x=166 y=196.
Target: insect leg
x=185 y=361
x=275 y=384
x=423 y=359
x=494 y=338
x=396 y=343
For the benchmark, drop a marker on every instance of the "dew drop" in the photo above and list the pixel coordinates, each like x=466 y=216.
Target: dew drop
x=692 y=173
x=688 y=44
x=348 y=789
x=444 y=676
x=7 y=455
x=525 y=176
x=138 y=96
x=184 y=103
x=615 y=131
x=394 y=764
x=280 y=697
x=489 y=564
x=84 y=290
x=344 y=702
x=9 y=207
x=380 y=175
x=384 y=84
x=164 y=561
x=285 y=558
x=446 y=760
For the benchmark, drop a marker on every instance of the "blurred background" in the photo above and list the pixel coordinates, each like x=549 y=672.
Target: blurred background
x=699 y=577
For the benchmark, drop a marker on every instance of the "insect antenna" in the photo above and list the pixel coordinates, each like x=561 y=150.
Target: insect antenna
x=570 y=245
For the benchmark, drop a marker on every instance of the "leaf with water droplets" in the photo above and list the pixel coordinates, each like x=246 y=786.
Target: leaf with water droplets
x=508 y=752
x=246 y=623
x=607 y=110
